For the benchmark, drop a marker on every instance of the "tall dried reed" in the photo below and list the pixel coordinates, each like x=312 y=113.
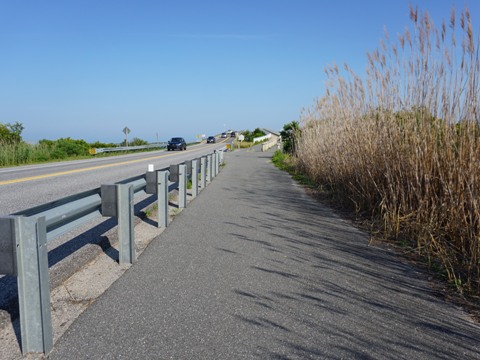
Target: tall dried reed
x=401 y=143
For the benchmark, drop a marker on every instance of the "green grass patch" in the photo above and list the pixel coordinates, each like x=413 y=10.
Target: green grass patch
x=284 y=162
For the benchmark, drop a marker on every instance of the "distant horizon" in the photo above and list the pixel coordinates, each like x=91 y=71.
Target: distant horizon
x=131 y=138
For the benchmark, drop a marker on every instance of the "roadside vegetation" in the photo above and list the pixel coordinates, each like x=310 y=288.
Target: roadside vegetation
x=242 y=144
x=20 y=153
x=14 y=151
x=249 y=137
x=400 y=145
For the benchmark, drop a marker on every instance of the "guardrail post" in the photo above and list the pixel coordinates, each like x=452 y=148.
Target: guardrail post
x=209 y=167
x=151 y=179
x=214 y=160
x=194 y=178
x=212 y=165
x=126 y=224
x=222 y=153
x=203 y=169
x=217 y=162
x=117 y=201
x=24 y=242
x=162 y=196
x=182 y=185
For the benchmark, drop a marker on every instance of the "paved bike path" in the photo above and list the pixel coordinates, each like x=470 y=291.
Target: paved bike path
x=255 y=269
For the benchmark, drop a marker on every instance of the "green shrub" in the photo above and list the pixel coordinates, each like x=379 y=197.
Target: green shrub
x=290 y=135
x=100 y=145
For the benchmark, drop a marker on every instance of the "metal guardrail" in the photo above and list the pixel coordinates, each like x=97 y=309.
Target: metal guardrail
x=276 y=133
x=67 y=213
x=262 y=138
x=94 y=151
x=24 y=235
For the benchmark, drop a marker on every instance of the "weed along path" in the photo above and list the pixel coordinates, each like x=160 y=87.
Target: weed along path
x=254 y=268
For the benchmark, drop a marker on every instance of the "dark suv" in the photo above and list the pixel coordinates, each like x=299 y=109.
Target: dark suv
x=176 y=143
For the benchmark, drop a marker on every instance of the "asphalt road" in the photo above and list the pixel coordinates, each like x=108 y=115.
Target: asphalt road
x=24 y=187
x=255 y=269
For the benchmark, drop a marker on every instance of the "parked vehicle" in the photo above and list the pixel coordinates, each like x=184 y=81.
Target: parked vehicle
x=211 y=139
x=177 y=143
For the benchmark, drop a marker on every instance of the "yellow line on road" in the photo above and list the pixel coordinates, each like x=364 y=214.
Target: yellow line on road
x=38 y=177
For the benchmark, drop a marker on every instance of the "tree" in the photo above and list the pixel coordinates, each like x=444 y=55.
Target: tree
x=290 y=134
x=250 y=135
x=258 y=133
x=247 y=134
x=16 y=128
x=10 y=133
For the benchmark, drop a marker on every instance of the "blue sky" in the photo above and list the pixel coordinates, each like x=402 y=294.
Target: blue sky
x=86 y=69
